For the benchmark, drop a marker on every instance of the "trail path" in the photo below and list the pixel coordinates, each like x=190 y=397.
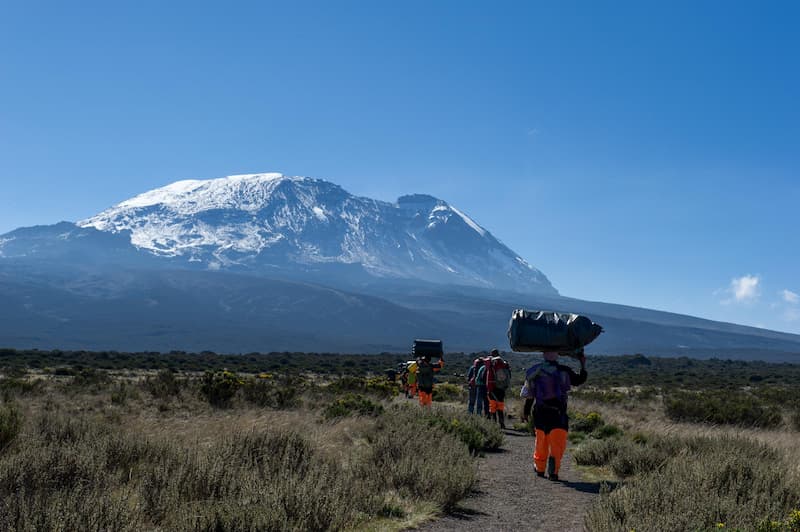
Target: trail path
x=510 y=497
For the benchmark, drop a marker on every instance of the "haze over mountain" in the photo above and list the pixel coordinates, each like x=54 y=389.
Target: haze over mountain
x=264 y=262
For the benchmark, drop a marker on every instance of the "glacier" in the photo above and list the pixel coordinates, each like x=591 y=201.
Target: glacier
x=260 y=222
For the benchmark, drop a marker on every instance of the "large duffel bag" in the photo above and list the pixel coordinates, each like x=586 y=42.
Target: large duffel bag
x=423 y=348
x=536 y=330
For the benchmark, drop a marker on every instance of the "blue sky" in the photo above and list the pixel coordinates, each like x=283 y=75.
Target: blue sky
x=644 y=153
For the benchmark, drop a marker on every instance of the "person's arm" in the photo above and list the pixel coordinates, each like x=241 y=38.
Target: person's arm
x=526 y=410
x=576 y=379
x=527 y=393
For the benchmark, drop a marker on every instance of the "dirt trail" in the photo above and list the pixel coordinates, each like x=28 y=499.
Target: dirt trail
x=509 y=495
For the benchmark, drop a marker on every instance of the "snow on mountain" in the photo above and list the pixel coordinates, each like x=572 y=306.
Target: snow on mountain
x=260 y=222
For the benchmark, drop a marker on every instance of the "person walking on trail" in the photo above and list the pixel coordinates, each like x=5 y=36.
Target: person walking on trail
x=546 y=387
x=425 y=371
x=473 y=388
x=497 y=382
x=481 y=399
x=411 y=378
x=402 y=369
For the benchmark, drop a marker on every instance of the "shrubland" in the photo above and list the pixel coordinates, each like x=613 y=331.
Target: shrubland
x=132 y=449
x=130 y=441
x=723 y=455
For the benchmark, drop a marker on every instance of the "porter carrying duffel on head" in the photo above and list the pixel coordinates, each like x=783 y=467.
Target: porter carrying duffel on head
x=537 y=330
x=547 y=383
x=424 y=350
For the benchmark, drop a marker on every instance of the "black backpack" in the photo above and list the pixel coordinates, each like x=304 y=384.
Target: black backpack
x=425 y=376
x=502 y=374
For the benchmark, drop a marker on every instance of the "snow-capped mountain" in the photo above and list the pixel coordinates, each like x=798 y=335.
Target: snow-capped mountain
x=263 y=222
x=266 y=262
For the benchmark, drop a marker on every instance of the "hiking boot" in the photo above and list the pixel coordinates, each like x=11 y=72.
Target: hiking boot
x=553 y=477
x=540 y=474
x=551 y=467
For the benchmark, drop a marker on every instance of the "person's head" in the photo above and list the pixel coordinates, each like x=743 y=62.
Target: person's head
x=551 y=356
x=476 y=361
x=426 y=358
x=494 y=352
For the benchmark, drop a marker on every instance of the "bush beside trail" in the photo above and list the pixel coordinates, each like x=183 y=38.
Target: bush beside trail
x=476 y=432
x=261 y=480
x=64 y=465
x=730 y=407
x=422 y=460
x=691 y=483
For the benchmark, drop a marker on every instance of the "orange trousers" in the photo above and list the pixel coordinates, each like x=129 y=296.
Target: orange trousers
x=552 y=444
x=412 y=389
x=425 y=399
x=496 y=406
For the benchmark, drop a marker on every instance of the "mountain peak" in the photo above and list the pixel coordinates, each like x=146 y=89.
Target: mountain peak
x=213 y=190
x=414 y=200
x=266 y=222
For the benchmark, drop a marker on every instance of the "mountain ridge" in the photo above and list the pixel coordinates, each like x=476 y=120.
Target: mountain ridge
x=253 y=221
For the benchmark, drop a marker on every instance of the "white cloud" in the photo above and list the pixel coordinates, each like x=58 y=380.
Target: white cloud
x=790 y=297
x=745 y=288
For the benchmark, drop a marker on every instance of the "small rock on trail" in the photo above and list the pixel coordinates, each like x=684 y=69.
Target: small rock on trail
x=510 y=497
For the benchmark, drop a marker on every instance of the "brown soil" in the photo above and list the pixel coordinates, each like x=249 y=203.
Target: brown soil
x=509 y=495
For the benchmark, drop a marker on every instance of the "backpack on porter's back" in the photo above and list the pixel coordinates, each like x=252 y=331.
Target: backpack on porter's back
x=502 y=373
x=425 y=376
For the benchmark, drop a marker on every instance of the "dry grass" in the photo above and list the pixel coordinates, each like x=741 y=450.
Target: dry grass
x=649 y=418
x=687 y=476
x=112 y=454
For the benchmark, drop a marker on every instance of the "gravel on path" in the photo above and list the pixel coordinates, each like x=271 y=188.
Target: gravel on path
x=510 y=497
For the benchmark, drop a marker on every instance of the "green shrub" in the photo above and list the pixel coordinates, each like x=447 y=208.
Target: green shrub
x=722 y=407
x=695 y=483
x=89 y=379
x=382 y=387
x=632 y=459
x=602 y=396
x=576 y=436
x=78 y=475
x=10 y=423
x=271 y=392
x=219 y=387
x=585 y=422
x=476 y=432
x=429 y=464
x=348 y=383
x=163 y=385
x=120 y=393
x=352 y=404
x=12 y=386
x=446 y=392
x=606 y=431
x=523 y=426
x=795 y=419
x=597 y=452
x=378 y=386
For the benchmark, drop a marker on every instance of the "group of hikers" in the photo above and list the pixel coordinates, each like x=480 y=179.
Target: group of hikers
x=488 y=379
x=417 y=378
x=545 y=390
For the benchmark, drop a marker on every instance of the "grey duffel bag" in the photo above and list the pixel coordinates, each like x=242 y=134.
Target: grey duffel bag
x=431 y=348
x=537 y=330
